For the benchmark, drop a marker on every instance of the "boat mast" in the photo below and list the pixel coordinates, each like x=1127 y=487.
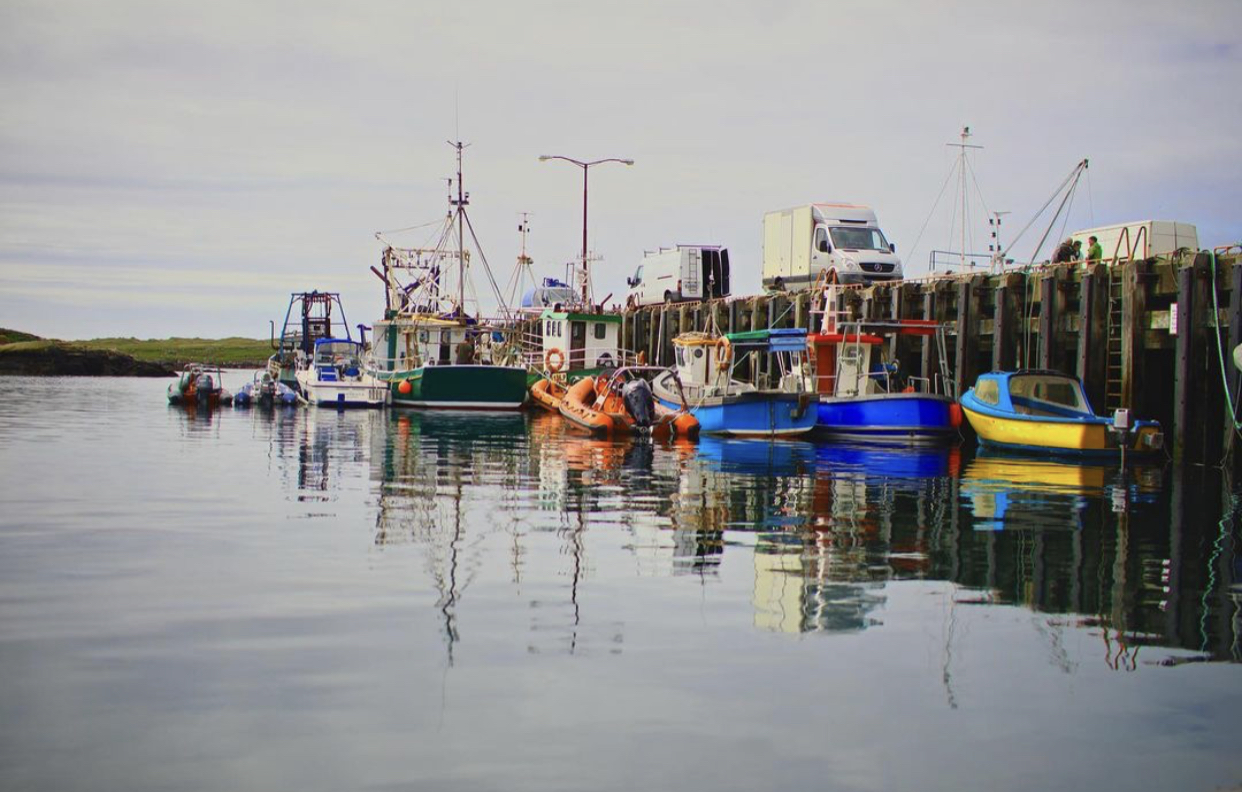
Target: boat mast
x=463 y=199
x=961 y=166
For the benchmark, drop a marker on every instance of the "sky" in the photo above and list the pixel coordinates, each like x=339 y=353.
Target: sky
x=178 y=169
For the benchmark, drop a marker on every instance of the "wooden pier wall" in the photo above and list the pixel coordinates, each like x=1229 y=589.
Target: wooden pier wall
x=1140 y=334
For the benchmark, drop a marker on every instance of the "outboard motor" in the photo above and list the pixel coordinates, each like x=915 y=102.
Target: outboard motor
x=639 y=401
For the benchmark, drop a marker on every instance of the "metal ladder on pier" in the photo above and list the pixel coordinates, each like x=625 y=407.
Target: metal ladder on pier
x=1113 y=365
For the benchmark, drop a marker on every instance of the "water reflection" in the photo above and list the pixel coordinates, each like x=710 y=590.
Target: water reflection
x=827 y=528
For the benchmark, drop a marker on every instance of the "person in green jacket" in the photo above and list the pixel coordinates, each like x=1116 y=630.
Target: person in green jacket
x=1095 y=253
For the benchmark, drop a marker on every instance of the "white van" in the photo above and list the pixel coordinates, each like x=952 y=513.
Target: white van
x=802 y=242
x=685 y=272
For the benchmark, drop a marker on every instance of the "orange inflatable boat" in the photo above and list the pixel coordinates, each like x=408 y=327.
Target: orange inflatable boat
x=623 y=404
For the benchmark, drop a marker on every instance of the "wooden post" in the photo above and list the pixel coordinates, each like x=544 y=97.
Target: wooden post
x=933 y=310
x=1234 y=378
x=1191 y=418
x=1092 y=357
x=1005 y=323
x=966 y=353
x=1051 y=306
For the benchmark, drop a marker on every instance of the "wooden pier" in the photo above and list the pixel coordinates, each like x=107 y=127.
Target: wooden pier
x=1140 y=334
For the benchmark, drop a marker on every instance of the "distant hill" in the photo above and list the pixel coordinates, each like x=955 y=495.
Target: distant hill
x=227 y=352
x=24 y=353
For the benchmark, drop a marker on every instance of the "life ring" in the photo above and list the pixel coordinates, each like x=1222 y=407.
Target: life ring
x=724 y=358
x=554 y=360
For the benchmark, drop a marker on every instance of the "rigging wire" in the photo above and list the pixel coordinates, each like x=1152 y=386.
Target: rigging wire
x=932 y=213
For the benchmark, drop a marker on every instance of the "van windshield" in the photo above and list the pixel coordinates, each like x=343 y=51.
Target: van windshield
x=858 y=238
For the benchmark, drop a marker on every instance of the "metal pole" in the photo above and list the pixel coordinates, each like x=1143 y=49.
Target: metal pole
x=586 y=300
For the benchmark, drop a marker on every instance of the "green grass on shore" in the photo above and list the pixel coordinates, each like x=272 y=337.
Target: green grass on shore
x=228 y=352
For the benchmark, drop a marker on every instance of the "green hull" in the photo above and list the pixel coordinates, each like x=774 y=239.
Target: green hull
x=462 y=387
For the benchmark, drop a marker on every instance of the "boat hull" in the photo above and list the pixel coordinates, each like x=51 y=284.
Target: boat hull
x=457 y=387
x=889 y=418
x=755 y=414
x=1052 y=436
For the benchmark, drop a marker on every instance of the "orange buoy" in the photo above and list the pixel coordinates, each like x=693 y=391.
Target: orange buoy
x=554 y=360
x=404 y=388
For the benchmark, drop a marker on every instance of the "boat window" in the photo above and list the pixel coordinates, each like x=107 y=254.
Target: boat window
x=422 y=336
x=1062 y=391
x=601 y=330
x=859 y=238
x=681 y=356
x=698 y=352
x=987 y=391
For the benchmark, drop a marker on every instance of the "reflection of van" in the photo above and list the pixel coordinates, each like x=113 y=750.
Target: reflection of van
x=685 y=272
x=800 y=243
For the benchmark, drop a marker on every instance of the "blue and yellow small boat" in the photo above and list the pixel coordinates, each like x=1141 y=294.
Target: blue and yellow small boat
x=1048 y=412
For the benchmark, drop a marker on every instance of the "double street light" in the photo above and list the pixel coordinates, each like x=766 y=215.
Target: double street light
x=585 y=167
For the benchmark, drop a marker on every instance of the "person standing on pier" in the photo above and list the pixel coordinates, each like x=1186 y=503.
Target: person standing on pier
x=1064 y=253
x=1095 y=253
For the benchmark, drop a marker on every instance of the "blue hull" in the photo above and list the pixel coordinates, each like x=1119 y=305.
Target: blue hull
x=887 y=418
x=753 y=415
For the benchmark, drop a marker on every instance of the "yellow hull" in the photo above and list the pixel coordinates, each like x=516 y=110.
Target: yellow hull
x=1039 y=434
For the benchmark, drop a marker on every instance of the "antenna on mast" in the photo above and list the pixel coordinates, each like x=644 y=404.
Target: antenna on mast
x=962 y=146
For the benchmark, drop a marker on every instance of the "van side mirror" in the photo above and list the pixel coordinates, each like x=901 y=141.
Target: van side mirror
x=629 y=282
x=892 y=247
x=824 y=247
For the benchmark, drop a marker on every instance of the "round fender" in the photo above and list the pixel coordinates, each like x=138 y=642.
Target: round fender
x=724 y=358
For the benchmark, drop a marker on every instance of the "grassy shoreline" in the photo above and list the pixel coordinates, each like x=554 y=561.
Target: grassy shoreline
x=232 y=352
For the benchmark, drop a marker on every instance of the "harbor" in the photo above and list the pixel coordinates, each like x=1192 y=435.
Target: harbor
x=550 y=397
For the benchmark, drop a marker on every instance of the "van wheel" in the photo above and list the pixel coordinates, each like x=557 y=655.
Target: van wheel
x=630 y=303
x=668 y=298
x=778 y=284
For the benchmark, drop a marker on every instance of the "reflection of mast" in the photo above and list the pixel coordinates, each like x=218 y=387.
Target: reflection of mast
x=448 y=599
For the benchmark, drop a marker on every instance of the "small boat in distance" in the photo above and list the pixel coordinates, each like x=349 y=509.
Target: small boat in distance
x=723 y=405
x=265 y=391
x=1032 y=410
x=199 y=385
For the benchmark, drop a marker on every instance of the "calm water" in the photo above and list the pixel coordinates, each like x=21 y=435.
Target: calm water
x=316 y=600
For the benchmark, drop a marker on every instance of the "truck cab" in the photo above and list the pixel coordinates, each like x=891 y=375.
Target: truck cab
x=801 y=243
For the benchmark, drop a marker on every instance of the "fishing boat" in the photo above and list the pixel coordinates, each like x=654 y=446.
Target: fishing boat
x=333 y=376
x=863 y=395
x=427 y=350
x=199 y=385
x=577 y=343
x=264 y=391
x=309 y=317
x=1048 y=412
x=727 y=406
x=622 y=403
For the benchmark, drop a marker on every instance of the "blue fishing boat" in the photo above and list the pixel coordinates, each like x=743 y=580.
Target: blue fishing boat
x=1048 y=412
x=703 y=380
x=865 y=398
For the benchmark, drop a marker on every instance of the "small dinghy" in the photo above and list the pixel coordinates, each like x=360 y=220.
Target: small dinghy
x=265 y=391
x=199 y=386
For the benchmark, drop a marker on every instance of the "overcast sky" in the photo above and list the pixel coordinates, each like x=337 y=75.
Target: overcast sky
x=174 y=168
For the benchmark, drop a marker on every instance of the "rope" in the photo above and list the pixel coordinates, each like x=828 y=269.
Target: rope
x=1220 y=349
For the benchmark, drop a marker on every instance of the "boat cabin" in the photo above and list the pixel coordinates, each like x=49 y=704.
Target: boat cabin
x=431 y=342
x=1040 y=393
x=707 y=362
x=337 y=358
x=585 y=341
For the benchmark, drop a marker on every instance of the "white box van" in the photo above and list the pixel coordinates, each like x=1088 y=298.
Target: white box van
x=1140 y=239
x=685 y=272
x=802 y=242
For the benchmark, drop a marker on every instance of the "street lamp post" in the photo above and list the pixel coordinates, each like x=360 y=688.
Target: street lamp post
x=585 y=167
